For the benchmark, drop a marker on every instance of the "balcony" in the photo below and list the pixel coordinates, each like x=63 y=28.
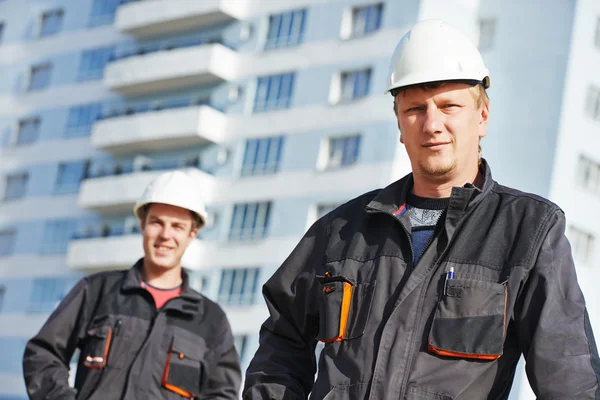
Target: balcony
x=170 y=65
x=152 y=18
x=115 y=188
x=160 y=129
x=118 y=252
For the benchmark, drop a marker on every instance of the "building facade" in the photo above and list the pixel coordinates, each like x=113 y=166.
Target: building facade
x=278 y=109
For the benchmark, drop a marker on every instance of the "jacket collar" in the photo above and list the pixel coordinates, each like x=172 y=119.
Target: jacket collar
x=133 y=282
x=392 y=199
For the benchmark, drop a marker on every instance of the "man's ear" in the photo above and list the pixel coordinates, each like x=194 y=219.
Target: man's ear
x=484 y=114
x=142 y=225
x=194 y=232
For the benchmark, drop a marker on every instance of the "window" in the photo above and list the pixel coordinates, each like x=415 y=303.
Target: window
x=589 y=174
x=29 y=130
x=592 y=104
x=240 y=342
x=342 y=152
x=326 y=208
x=47 y=294
x=250 y=220
x=262 y=156
x=582 y=242
x=353 y=85
x=81 y=118
x=238 y=286
x=273 y=92
x=361 y=21
x=7 y=242
x=40 y=77
x=285 y=29
x=16 y=186
x=487 y=32
x=93 y=63
x=51 y=22
x=103 y=12
x=597 y=36
x=2 y=294
x=70 y=175
x=57 y=235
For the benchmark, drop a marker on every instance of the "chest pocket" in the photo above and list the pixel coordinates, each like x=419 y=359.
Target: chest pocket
x=470 y=320
x=183 y=368
x=344 y=308
x=105 y=344
x=97 y=347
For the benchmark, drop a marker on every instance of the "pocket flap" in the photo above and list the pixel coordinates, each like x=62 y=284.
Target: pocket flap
x=101 y=332
x=184 y=348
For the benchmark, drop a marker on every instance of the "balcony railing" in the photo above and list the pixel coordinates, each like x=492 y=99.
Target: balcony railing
x=114 y=111
x=115 y=168
x=141 y=49
x=109 y=229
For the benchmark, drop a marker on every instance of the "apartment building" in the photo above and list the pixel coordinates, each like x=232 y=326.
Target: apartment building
x=278 y=108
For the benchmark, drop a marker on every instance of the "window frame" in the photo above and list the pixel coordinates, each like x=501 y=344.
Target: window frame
x=274 y=92
x=487 y=32
x=250 y=221
x=7 y=248
x=262 y=156
x=294 y=21
x=327 y=161
x=43 y=31
x=365 y=14
x=238 y=287
x=31 y=135
x=62 y=187
x=34 y=70
x=23 y=182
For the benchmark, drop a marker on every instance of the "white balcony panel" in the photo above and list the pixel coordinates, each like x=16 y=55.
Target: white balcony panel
x=152 y=18
x=160 y=130
x=117 y=194
x=171 y=69
x=122 y=252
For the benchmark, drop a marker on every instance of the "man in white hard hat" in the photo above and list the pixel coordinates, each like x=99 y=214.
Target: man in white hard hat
x=143 y=333
x=433 y=287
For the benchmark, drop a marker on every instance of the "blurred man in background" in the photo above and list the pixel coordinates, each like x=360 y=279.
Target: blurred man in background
x=143 y=333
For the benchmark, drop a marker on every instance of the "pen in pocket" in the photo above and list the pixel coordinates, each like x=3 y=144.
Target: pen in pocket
x=449 y=275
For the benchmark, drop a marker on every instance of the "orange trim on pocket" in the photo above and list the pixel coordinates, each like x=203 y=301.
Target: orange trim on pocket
x=457 y=354
x=105 y=355
x=170 y=387
x=345 y=312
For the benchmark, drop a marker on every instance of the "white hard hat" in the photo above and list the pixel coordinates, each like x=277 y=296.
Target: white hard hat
x=434 y=51
x=176 y=188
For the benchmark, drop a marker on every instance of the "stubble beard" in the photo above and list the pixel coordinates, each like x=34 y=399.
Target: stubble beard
x=437 y=170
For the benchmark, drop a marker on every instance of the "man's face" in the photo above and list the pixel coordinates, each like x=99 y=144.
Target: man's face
x=167 y=232
x=441 y=129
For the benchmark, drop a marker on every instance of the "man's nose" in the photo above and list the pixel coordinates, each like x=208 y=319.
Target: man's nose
x=433 y=121
x=166 y=232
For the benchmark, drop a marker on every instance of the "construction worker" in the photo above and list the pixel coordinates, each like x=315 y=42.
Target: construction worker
x=433 y=287
x=143 y=333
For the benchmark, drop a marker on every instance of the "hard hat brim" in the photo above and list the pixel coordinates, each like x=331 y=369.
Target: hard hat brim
x=420 y=79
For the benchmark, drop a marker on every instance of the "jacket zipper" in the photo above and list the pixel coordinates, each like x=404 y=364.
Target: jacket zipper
x=408 y=235
x=436 y=264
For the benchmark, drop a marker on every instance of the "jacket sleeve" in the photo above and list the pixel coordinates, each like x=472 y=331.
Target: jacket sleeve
x=225 y=380
x=555 y=334
x=283 y=367
x=48 y=354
